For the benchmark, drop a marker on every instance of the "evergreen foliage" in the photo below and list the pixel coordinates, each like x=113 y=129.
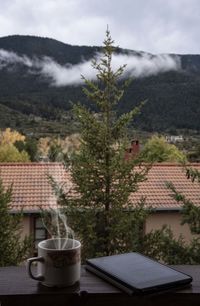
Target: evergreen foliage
x=13 y=249
x=191 y=216
x=102 y=213
x=190 y=211
x=29 y=146
x=162 y=245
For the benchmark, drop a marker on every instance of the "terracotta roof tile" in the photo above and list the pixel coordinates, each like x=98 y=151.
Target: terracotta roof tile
x=156 y=193
x=31 y=189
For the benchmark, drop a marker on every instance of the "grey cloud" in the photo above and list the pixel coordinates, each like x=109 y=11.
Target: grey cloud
x=155 y=26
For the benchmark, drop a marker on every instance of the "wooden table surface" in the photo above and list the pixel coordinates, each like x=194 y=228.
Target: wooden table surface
x=16 y=288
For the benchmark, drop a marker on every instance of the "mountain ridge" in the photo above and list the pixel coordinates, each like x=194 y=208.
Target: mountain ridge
x=173 y=96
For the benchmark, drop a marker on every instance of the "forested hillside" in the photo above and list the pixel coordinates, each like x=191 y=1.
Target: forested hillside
x=27 y=95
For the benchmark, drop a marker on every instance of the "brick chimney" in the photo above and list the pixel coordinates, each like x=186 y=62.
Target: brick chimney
x=133 y=150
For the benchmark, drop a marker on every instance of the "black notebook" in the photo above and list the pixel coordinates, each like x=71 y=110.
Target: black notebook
x=137 y=274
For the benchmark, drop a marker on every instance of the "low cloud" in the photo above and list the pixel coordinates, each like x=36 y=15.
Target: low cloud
x=62 y=75
x=59 y=75
x=146 y=64
x=10 y=58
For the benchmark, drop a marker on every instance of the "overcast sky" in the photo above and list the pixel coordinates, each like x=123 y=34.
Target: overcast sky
x=157 y=26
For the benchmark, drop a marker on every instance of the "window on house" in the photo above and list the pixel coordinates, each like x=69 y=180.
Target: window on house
x=40 y=233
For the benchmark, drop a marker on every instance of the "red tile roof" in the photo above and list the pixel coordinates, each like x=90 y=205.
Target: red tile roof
x=31 y=189
x=156 y=193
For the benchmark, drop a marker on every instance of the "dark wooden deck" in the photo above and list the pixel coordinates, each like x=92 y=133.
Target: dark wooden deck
x=16 y=288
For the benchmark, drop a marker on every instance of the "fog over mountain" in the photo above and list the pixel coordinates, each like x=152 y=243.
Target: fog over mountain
x=40 y=76
x=142 y=65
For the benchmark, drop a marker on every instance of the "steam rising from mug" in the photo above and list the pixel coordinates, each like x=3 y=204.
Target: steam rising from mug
x=55 y=223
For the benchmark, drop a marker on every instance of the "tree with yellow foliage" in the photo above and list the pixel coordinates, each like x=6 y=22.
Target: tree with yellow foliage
x=8 y=150
x=57 y=149
x=157 y=149
x=10 y=137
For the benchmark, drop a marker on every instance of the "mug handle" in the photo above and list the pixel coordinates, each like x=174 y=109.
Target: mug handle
x=29 y=264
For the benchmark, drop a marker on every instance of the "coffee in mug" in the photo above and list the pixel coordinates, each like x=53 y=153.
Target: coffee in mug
x=59 y=262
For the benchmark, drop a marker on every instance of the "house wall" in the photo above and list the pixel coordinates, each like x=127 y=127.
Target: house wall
x=173 y=219
x=155 y=221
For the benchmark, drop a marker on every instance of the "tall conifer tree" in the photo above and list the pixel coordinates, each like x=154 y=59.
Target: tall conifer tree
x=102 y=214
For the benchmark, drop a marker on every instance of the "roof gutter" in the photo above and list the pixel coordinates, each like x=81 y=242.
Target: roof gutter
x=25 y=211
x=166 y=209
x=154 y=209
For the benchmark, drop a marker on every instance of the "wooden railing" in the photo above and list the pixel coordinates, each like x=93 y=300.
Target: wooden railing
x=16 y=288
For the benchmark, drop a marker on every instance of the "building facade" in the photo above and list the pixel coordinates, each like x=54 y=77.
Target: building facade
x=32 y=192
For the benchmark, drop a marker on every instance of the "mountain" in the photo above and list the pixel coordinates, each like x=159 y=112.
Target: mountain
x=28 y=94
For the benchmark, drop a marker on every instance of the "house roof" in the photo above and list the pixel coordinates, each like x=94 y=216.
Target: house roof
x=156 y=193
x=32 y=190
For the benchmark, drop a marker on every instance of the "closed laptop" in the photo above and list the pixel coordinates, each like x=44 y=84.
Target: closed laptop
x=136 y=273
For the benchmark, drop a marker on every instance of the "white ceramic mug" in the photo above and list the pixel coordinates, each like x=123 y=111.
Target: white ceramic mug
x=59 y=262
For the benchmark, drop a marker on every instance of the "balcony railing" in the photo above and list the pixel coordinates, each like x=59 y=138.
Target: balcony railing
x=16 y=288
